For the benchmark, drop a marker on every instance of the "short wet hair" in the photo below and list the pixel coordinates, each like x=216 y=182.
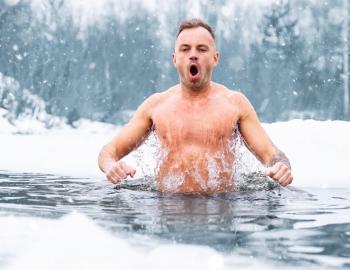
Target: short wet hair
x=194 y=23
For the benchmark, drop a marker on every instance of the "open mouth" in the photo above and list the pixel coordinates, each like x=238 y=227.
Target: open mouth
x=194 y=70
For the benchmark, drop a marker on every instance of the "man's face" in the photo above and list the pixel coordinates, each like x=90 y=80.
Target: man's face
x=195 y=57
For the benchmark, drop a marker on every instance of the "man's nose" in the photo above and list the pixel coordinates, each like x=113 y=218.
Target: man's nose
x=194 y=55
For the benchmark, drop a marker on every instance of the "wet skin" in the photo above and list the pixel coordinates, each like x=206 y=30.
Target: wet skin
x=196 y=136
x=195 y=121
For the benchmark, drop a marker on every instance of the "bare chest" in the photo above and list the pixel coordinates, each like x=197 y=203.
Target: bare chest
x=207 y=124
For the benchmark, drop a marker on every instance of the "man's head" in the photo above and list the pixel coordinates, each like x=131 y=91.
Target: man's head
x=195 y=53
x=194 y=23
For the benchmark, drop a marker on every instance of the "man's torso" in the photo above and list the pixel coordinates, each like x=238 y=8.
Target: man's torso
x=196 y=137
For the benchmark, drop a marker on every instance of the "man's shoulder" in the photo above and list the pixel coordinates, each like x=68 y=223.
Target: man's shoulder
x=233 y=95
x=237 y=99
x=158 y=98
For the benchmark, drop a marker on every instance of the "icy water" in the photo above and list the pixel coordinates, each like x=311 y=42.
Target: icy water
x=285 y=227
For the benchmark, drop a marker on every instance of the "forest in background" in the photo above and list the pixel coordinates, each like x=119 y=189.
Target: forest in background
x=101 y=61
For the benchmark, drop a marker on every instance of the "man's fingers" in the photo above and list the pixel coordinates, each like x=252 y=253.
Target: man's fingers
x=132 y=173
x=284 y=180
x=289 y=179
x=271 y=171
x=121 y=171
x=280 y=173
x=114 y=177
x=128 y=170
x=116 y=173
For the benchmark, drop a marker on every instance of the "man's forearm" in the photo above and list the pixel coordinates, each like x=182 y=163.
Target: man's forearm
x=279 y=156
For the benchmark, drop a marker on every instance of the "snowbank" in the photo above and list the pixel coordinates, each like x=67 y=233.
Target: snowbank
x=319 y=151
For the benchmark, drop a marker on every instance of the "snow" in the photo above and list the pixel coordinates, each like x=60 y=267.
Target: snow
x=76 y=242
x=318 y=150
x=62 y=151
x=91 y=247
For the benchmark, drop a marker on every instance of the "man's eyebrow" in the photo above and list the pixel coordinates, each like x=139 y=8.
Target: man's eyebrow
x=187 y=45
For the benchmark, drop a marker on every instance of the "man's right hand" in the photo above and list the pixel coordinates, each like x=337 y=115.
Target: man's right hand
x=119 y=171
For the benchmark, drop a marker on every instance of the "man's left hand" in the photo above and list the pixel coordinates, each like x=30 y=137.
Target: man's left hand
x=281 y=173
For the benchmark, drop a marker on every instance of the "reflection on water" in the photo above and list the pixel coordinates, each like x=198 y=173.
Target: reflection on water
x=279 y=225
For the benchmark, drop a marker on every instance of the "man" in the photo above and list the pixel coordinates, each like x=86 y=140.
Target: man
x=195 y=122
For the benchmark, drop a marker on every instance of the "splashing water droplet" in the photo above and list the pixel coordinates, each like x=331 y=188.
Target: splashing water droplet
x=246 y=172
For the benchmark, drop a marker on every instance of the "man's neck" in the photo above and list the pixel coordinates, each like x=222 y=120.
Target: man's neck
x=195 y=93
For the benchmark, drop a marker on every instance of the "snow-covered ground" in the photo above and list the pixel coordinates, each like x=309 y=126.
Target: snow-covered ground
x=318 y=151
x=76 y=242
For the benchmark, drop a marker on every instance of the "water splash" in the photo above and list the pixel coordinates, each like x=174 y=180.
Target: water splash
x=149 y=157
x=246 y=170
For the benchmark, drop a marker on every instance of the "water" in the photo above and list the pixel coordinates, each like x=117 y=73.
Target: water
x=278 y=227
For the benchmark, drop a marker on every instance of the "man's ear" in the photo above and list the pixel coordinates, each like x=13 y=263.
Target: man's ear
x=216 y=58
x=174 y=59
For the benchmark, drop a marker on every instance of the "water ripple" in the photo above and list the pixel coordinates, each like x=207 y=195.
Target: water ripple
x=301 y=227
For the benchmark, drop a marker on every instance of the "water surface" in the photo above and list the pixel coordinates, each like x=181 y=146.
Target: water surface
x=281 y=226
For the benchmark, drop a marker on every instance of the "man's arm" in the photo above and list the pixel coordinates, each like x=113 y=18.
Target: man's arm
x=260 y=144
x=130 y=137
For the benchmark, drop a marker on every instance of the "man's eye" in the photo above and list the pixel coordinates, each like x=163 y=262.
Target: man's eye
x=184 y=49
x=202 y=49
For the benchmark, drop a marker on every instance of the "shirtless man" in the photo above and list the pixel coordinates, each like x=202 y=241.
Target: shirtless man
x=195 y=122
